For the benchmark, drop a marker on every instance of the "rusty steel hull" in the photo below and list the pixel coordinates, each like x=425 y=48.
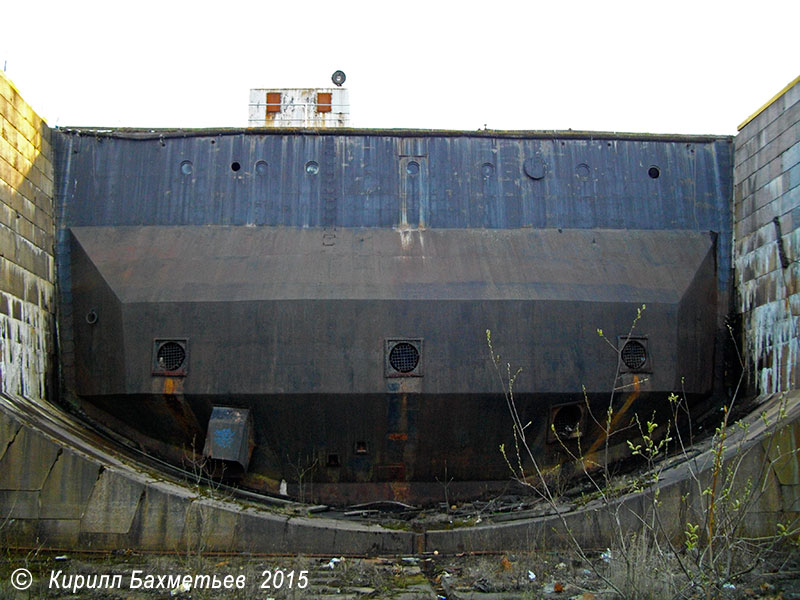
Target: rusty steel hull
x=352 y=326
x=413 y=443
x=276 y=321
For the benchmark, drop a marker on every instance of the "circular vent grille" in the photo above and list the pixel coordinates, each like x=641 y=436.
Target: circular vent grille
x=404 y=357
x=634 y=355
x=171 y=356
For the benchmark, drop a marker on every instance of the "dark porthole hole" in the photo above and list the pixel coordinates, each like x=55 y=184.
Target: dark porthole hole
x=361 y=448
x=235 y=166
x=333 y=460
x=567 y=421
x=654 y=172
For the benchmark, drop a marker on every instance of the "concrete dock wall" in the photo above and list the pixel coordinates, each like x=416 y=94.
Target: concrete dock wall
x=27 y=235
x=767 y=240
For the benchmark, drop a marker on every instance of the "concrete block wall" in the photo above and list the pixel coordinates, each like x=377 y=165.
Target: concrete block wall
x=767 y=240
x=27 y=236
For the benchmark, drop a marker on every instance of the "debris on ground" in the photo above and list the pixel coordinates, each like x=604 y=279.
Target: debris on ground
x=507 y=576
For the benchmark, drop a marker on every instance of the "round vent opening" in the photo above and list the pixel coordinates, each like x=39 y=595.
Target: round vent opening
x=404 y=357
x=634 y=355
x=170 y=356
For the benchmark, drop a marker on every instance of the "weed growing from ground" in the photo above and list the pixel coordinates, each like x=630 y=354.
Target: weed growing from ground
x=645 y=560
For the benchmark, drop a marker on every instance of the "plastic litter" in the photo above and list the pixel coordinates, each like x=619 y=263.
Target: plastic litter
x=182 y=588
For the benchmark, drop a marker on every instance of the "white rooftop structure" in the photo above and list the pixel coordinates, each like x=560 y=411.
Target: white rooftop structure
x=299 y=107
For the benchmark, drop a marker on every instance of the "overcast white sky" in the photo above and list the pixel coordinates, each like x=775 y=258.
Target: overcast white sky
x=662 y=67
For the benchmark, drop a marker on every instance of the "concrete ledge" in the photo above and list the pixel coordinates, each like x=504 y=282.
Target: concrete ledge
x=59 y=533
x=68 y=486
x=107 y=504
x=88 y=498
x=323 y=536
x=166 y=509
x=112 y=504
x=210 y=526
x=27 y=461
x=680 y=495
x=8 y=431
x=19 y=504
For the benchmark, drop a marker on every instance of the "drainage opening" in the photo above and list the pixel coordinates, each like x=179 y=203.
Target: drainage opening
x=169 y=357
x=235 y=166
x=654 y=172
x=403 y=357
x=566 y=422
x=634 y=355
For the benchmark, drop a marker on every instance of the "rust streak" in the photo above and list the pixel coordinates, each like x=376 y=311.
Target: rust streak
x=629 y=400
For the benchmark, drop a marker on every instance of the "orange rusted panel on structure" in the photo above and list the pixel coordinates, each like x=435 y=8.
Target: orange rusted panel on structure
x=273 y=102
x=324 y=102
